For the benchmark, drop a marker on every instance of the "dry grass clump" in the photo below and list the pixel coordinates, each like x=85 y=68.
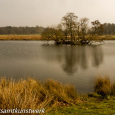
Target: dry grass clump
x=31 y=94
x=103 y=86
x=65 y=94
x=22 y=95
x=113 y=89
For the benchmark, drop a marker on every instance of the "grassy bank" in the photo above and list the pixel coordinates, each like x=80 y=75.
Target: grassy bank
x=20 y=37
x=57 y=98
x=91 y=106
x=107 y=37
x=38 y=37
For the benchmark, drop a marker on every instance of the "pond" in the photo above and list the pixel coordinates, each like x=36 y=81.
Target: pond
x=78 y=65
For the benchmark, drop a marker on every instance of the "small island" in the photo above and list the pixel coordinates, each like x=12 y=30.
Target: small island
x=74 y=32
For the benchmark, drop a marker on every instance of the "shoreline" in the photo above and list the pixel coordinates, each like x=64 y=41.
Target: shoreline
x=55 y=97
x=38 y=37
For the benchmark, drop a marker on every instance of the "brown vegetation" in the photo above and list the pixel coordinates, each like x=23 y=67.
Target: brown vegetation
x=26 y=94
x=20 y=37
x=104 y=87
x=32 y=94
x=38 y=37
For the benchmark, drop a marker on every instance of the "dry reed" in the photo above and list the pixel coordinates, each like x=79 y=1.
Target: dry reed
x=31 y=94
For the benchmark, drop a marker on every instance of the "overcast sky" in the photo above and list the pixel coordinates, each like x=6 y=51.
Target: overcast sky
x=50 y=12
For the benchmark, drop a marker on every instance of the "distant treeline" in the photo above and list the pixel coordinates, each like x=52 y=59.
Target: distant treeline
x=109 y=29
x=21 y=30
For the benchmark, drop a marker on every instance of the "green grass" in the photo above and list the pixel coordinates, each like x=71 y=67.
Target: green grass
x=92 y=106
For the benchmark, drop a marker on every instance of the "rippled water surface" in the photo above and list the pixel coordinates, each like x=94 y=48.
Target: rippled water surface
x=78 y=65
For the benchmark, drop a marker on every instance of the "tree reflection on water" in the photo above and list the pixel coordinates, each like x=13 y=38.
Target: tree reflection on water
x=71 y=58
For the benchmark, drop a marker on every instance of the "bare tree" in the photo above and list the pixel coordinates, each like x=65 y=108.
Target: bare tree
x=69 y=22
x=97 y=28
x=82 y=28
x=48 y=33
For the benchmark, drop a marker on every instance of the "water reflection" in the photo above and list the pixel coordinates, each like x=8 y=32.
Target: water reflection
x=70 y=60
x=97 y=55
x=73 y=58
x=83 y=57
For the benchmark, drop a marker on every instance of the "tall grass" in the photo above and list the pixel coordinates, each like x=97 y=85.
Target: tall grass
x=103 y=86
x=32 y=94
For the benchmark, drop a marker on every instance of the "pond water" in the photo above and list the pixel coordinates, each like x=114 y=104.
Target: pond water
x=78 y=65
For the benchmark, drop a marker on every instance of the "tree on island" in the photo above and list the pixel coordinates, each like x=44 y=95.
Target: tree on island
x=72 y=31
x=96 y=30
x=82 y=29
x=69 y=23
x=52 y=33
